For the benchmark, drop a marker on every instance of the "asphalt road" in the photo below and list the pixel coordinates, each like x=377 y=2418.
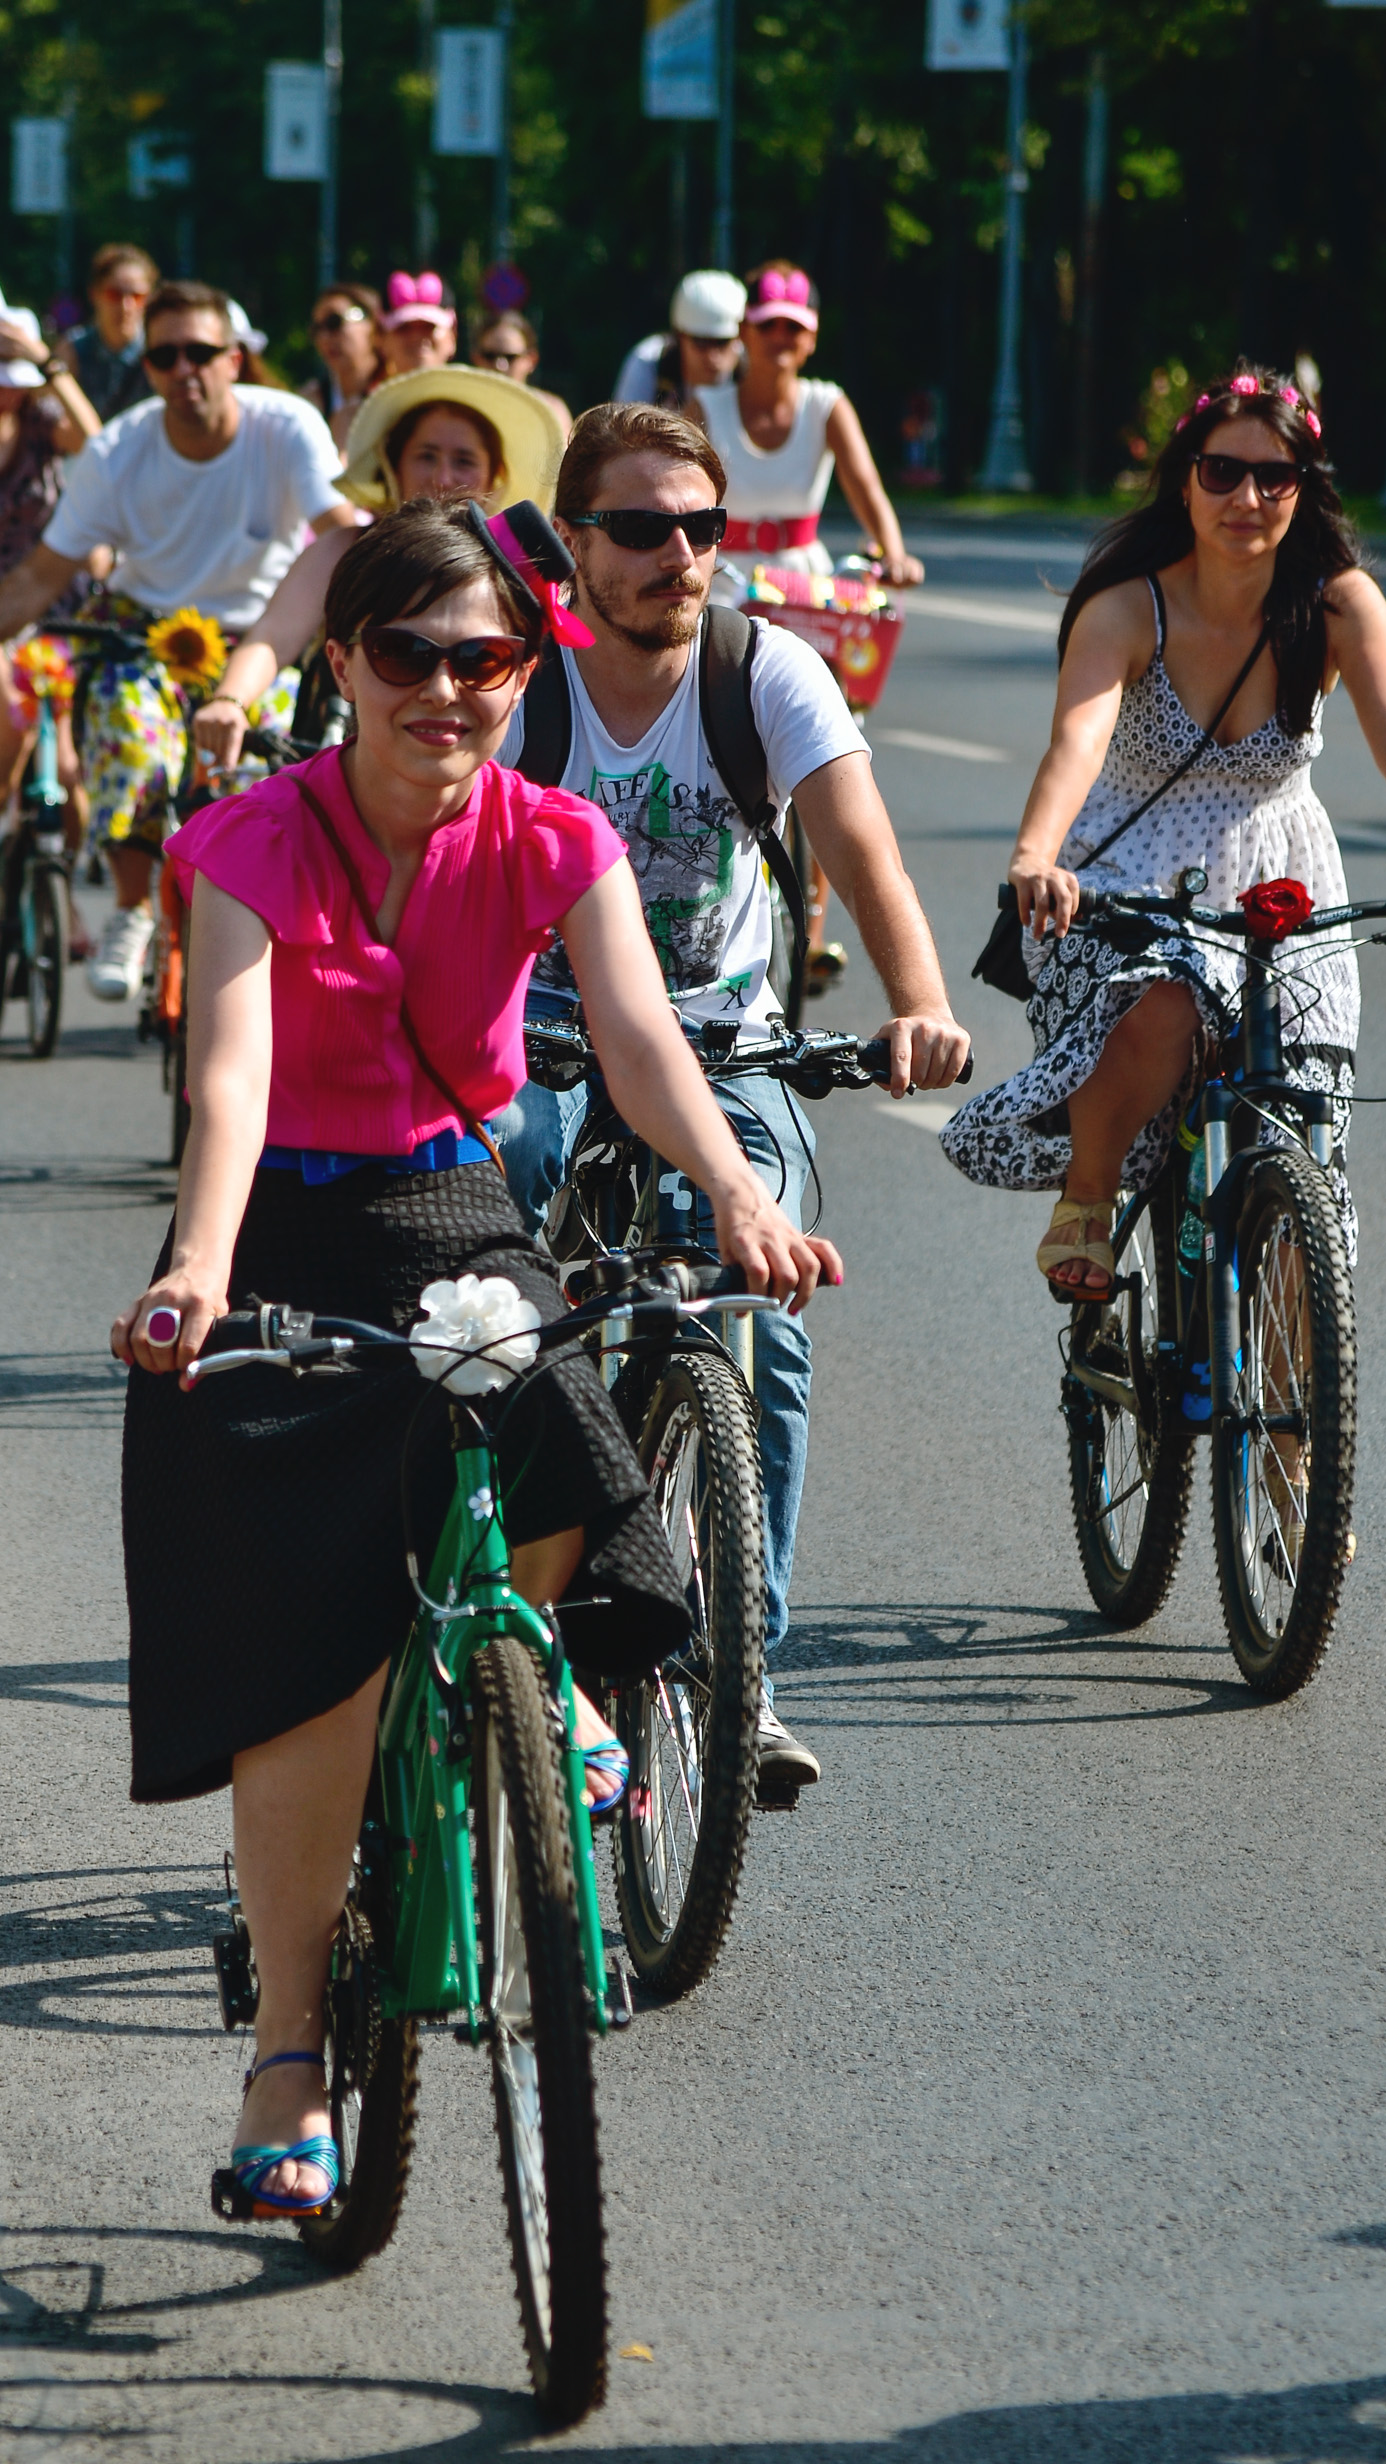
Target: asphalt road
x=1037 y=2108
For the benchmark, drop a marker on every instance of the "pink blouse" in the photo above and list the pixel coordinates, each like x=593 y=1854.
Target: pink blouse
x=492 y=885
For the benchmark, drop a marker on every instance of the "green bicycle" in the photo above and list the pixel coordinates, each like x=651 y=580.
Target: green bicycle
x=473 y=1898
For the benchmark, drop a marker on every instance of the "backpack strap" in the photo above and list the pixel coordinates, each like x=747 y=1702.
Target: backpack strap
x=474 y=1128
x=548 y=711
x=725 y=657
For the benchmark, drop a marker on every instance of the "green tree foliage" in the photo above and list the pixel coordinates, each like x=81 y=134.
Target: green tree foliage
x=1243 y=208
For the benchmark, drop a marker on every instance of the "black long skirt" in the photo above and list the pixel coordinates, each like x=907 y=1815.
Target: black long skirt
x=264 y=1517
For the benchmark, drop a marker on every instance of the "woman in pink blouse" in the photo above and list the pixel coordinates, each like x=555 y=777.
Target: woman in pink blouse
x=362 y=935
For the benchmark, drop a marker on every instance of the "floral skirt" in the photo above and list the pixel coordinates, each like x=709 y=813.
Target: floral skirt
x=1016 y=1135
x=134 y=734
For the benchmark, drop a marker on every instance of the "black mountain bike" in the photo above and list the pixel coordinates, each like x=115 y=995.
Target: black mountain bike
x=688 y=1406
x=35 y=896
x=1231 y=1318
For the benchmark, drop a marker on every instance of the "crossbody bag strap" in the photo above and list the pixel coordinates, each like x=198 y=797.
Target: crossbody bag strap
x=1189 y=759
x=474 y=1128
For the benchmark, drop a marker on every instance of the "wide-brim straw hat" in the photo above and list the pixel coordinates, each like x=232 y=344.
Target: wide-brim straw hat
x=531 y=438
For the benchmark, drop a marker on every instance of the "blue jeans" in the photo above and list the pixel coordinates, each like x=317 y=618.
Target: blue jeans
x=537 y=1136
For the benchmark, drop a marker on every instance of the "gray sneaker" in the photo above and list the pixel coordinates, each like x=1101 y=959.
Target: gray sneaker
x=785 y=1765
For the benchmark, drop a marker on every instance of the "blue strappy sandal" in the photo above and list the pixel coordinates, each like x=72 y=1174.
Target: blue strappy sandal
x=236 y=2192
x=611 y=1760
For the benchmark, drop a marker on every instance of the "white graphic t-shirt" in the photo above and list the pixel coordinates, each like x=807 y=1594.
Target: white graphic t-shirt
x=698 y=866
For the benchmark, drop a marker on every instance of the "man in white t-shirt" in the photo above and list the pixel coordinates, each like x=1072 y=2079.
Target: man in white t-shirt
x=203 y=492
x=703 y=347
x=639 y=751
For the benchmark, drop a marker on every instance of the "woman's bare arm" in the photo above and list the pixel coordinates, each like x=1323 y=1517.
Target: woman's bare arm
x=656 y=1085
x=230 y=1047
x=864 y=490
x=277 y=640
x=1355 y=615
x=1112 y=642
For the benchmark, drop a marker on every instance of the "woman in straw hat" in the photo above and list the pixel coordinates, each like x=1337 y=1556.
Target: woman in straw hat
x=454 y=432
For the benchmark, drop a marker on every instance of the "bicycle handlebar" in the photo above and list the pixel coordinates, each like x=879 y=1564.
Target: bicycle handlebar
x=812 y=1064
x=1182 y=907
x=276 y=1337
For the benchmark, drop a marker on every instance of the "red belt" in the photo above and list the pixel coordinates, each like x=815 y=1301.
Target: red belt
x=799 y=532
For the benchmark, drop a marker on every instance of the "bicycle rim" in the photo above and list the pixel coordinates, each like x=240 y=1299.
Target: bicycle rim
x=1130 y=1469
x=1283 y=1471
x=513 y=2048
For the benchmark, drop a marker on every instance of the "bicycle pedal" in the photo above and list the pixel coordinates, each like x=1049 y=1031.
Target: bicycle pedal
x=230 y=2198
x=772 y=1800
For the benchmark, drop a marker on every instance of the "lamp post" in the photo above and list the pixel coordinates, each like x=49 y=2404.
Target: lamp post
x=332 y=110
x=502 y=243
x=1005 y=466
x=722 y=251
x=1094 y=188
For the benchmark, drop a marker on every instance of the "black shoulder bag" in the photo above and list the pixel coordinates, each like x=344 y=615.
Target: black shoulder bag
x=1002 y=962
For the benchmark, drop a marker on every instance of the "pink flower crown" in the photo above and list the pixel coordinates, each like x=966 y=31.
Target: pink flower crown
x=1248 y=387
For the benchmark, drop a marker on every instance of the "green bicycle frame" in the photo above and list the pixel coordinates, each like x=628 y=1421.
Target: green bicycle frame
x=425 y=1768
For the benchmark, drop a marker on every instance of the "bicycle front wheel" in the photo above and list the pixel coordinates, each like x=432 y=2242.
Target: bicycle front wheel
x=47 y=963
x=1130 y=1456
x=1283 y=1467
x=541 y=2062
x=690 y=1731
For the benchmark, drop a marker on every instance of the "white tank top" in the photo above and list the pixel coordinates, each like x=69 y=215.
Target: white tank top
x=773 y=487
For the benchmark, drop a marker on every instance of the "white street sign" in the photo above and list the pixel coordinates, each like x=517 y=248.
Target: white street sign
x=970 y=34
x=295 y=120
x=38 y=166
x=469 y=93
x=680 y=60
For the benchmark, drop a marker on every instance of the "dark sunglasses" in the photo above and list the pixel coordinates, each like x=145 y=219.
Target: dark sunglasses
x=336 y=318
x=1220 y=474
x=166 y=355
x=400 y=657
x=705 y=528
x=500 y=359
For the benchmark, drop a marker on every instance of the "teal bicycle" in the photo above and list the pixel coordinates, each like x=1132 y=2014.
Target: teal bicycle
x=473 y=1898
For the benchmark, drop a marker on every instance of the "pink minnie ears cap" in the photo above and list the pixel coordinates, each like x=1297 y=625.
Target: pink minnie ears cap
x=789 y=295
x=416 y=300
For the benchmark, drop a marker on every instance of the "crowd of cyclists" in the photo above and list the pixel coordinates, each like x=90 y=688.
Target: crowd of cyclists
x=531 y=808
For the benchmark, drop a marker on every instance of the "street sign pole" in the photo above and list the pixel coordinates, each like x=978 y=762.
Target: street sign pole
x=722 y=236
x=425 y=205
x=1094 y=191
x=1005 y=467
x=503 y=242
x=332 y=83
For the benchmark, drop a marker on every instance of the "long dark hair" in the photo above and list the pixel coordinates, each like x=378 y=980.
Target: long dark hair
x=1319 y=544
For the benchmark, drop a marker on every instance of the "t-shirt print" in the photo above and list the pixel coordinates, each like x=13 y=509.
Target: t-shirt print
x=682 y=850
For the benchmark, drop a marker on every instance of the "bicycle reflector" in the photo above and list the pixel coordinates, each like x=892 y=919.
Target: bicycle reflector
x=1275 y=908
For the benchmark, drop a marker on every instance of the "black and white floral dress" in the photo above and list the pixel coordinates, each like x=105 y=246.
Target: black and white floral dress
x=1246 y=812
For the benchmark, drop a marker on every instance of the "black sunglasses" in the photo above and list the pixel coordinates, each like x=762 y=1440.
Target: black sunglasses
x=165 y=355
x=499 y=359
x=705 y=528
x=336 y=318
x=1220 y=474
x=400 y=657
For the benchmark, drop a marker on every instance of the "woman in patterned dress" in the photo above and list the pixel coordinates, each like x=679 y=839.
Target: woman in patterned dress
x=1243 y=534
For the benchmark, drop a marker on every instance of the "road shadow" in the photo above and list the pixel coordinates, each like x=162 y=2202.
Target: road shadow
x=118 y=1943
x=83 y=1184
x=61 y=1681
x=1340 y=2421
x=63 y=1390
x=946 y=1664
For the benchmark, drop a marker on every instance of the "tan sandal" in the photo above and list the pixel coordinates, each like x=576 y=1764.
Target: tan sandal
x=1051 y=1253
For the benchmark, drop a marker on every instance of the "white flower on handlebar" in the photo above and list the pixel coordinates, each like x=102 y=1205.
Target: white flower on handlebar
x=486 y=1317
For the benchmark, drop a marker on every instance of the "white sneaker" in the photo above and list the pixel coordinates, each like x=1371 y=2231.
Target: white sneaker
x=785 y=1764
x=115 y=968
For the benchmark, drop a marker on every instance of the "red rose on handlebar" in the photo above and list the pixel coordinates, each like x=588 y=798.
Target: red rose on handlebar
x=1275 y=908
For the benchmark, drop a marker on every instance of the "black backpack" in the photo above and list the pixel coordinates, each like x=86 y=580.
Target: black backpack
x=724 y=710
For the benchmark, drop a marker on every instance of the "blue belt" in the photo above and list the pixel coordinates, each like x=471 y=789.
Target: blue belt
x=437 y=1154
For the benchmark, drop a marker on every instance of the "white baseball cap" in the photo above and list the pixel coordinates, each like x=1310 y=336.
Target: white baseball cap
x=23 y=373
x=242 y=330
x=709 y=307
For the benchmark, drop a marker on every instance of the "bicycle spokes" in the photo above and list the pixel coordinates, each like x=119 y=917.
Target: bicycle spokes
x=512 y=2023
x=1276 y=1444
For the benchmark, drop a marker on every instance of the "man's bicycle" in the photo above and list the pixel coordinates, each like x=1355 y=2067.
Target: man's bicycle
x=1231 y=1318
x=473 y=1898
x=35 y=894
x=687 y=1402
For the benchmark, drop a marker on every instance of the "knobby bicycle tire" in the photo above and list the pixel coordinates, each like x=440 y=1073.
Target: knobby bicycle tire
x=373 y=2088
x=1281 y=1517
x=46 y=970
x=1130 y=1476
x=691 y=1732
x=541 y=2060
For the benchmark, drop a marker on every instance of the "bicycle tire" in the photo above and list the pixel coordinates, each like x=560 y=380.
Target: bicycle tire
x=177 y=1081
x=541 y=2058
x=45 y=971
x=691 y=1732
x=1282 y=1544
x=1119 y=1461
x=787 y=963
x=373 y=2091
